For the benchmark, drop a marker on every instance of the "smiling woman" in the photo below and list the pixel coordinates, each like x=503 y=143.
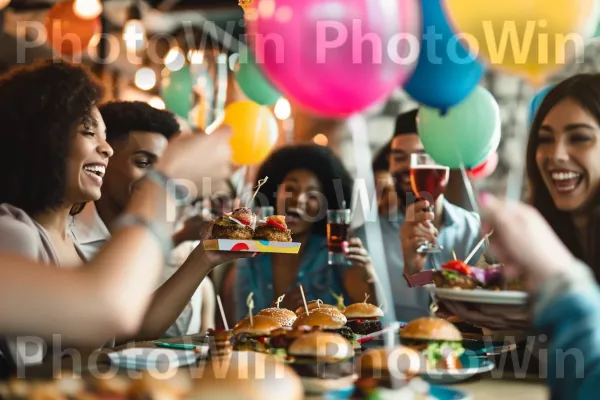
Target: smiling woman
x=563 y=164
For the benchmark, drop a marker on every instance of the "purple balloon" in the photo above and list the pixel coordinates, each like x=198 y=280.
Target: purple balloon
x=336 y=57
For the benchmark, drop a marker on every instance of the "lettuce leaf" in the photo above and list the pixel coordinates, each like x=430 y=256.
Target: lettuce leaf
x=436 y=350
x=449 y=274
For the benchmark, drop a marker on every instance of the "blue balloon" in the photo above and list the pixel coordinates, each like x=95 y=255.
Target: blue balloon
x=536 y=102
x=446 y=72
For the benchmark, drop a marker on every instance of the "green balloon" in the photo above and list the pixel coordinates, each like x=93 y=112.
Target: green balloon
x=177 y=92
x=468 y=132
x=253 y=82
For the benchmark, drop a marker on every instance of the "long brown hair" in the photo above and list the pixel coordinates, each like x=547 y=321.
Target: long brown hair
x=585 y=90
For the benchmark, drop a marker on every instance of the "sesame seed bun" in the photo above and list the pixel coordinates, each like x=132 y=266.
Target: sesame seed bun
x=261 y=326
x=431 y=328
x=326 y=318
x=322 y=346
x=284 y=316
x=313 y=305
x=363 y=310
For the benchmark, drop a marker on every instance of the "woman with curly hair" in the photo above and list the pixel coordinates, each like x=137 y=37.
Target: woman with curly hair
x=56 y=163
x=304 y=182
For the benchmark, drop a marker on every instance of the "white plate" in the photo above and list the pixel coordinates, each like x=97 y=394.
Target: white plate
x=153 y=358
x=505 y=297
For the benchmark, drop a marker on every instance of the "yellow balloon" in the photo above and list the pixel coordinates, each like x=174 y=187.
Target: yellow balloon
x=254 y=132
x=531 y=38
x=201 y=115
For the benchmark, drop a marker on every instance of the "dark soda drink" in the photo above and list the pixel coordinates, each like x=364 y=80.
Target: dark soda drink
x=337 y=237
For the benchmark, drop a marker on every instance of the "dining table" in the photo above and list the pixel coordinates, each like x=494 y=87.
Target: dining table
x=495 y=384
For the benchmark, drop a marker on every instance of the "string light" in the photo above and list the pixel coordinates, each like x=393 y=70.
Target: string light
x=196 y=57
x=84 y=9
x=283 y=109
x=320 y=139
x=145 y=78
x=157 y=102
x=175 y=60
x=134 y=33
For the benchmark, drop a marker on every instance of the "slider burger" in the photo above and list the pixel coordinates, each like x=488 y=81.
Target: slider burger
x=324 y=362
x=439 y=341
x=236 y=225
x=330 y=320
x=273 y=229
x=282 y=338
x=455 y=274
x=220 y=343
x=380 y=368
x=284 y=316
x=254 y=335
x=312 y=305
x=244 y=376
x=363 y=318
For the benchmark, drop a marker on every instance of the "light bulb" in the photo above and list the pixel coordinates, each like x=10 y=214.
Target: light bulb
x=283 y=109
x=175 y=60
x=134 y=35
x=145 y=78
x=196 y=57
x=320 y=139
x=87 y=9
x=4 y=3
x=157 y=102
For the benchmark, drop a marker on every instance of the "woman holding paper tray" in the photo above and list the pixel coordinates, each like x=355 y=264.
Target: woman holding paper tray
x=304 y=182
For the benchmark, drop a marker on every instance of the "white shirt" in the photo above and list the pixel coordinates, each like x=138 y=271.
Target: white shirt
x=91 y=233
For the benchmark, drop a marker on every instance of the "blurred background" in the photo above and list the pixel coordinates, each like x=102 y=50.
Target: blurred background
x=203 y=50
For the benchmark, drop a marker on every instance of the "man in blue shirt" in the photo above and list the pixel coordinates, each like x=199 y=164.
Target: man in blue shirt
x=404 y=230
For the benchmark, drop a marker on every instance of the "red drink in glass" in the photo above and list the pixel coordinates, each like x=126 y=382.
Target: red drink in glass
x=337 y=237
x=429 y=179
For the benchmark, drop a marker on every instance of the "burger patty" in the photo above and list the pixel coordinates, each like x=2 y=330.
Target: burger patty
x=272 y=234
x=310 y=368
x=231 y=231
x=362 y=327
x=344 y=331
x=459 y=281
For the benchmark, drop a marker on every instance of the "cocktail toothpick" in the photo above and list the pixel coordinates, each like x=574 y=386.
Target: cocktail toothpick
x=222 y=313
x=319 y=302
x=279 y=300
x=257 y=188
x=304 y=299
x=366 y=297
x=454 y=255
x=481 y=242
x=250 y=304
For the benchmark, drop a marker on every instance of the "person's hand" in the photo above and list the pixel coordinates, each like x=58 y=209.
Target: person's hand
x=490 y=316
x=524 y=242
x=192 y=229
x=197 y=156
x=416 y=229
x=212 y=259
x=358 y=255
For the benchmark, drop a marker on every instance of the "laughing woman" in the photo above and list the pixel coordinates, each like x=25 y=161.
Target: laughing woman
x=563 y=164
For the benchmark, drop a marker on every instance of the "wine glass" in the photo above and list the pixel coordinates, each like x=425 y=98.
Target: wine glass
x=428 y=181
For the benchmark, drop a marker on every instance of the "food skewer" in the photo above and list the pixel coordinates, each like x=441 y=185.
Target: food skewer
x=304 y=300
x=481 y=242
x=250 y=304
x=222 y=313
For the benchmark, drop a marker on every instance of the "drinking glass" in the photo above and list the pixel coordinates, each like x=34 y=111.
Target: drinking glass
x=428 y=181
x=338 y=235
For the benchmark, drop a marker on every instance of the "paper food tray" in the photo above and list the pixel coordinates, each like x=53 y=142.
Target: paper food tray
x=254 y=246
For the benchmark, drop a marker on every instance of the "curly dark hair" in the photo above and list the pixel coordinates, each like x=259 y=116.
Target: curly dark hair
x=123 y=117
x=381 y=160
x=319 y=160
x=40 y=106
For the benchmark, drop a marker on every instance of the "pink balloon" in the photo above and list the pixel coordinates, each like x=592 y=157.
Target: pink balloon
x=336 y=57
x=485 y=169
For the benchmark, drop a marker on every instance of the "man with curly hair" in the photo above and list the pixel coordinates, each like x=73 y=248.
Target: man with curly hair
x=139 y=134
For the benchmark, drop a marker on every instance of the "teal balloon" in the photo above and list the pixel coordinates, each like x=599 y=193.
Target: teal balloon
x=253 y=82
x=466 y=134
x=177 y=92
